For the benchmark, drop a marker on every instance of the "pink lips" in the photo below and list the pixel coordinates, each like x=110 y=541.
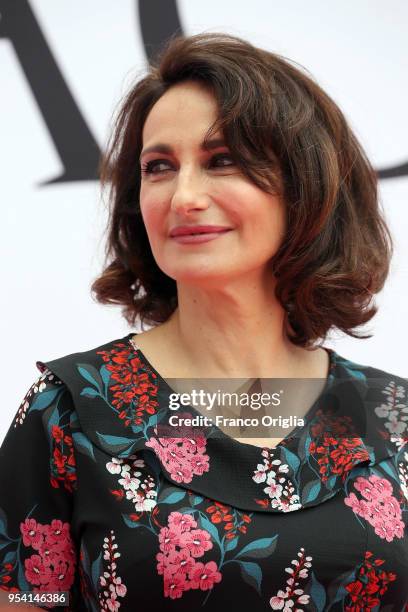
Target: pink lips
x=193 y=234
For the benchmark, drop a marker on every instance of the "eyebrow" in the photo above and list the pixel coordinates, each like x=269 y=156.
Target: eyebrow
x=161 y=147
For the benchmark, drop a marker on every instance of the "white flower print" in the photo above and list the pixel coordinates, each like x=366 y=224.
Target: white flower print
x=129 y=480
x=37 y=387
x=395 y=411
x=279 y=488
x=114 y=466
x=260 y=473
x=141 y=492
x=403 y=475
x=399 y=441
x=141 y=502
x=293 y=594
x=273 y=489
x=113 y=585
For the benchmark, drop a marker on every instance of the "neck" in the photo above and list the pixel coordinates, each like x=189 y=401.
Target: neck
x=233 y=333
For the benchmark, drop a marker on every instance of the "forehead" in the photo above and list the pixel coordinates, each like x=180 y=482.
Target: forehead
x=185 y=111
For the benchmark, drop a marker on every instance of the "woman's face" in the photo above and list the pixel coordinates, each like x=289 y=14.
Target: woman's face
x=182 y=184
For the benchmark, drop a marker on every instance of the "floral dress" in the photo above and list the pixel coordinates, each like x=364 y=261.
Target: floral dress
x=96 y=503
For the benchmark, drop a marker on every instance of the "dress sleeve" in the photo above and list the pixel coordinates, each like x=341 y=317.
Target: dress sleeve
x=37 y=487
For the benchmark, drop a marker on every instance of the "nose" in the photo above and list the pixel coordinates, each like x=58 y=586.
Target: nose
x=191 y=192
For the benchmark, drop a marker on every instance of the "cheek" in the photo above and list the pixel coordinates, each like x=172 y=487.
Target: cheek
x=152 y=213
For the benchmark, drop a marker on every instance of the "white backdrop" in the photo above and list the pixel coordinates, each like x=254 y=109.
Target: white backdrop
x=51 y=235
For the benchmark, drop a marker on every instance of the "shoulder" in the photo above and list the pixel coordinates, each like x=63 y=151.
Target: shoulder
x=372 y=378
x=376 y=400
x=42 y=394
x=108 y=386
x=67 y=366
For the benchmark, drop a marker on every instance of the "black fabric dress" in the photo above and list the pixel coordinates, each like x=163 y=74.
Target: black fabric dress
x=95 y=503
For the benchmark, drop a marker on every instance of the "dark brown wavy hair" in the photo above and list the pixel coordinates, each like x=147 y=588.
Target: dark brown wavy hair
x=278 y=123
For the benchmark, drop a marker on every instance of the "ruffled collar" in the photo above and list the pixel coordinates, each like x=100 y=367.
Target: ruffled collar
x=120 y=400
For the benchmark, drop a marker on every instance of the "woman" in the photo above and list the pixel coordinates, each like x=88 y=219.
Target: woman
x=123 y=509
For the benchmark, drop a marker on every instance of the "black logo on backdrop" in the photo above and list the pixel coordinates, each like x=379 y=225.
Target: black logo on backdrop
x=74 y=142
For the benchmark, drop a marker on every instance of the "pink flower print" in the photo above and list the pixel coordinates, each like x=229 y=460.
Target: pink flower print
x=174 y=454
x=166 y=441
x=278 y=601
x=204 y=575
x=183 y=458
x=175 y=585
x=381 y=490
x=112 y=603
x=180 y=561
x=183 y=473
x=193 y=445
x=176 y=560
x=159 y=448
x=199 y=464
x=32 y=533
x=161 y=562
x=383 y=487
x=183 y=522
x=196 y=541
x=120 y=588
x=168 y=538
x=379 y=508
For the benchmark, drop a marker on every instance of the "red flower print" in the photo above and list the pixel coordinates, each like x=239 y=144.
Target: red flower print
x=36 y=571
x=32 y=533
x=57 y=433
x=233 y=519
x=53 y=567
x=63 y=466
x=371 y=582
x=56 y=533
x=135 y=389
x=339 y=449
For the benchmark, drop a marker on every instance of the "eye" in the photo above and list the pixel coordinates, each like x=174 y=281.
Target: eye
x=151 y=166
x=148 y=168
x=223 y=156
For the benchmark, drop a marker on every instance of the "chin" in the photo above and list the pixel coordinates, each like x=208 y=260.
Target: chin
x=199 y=278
